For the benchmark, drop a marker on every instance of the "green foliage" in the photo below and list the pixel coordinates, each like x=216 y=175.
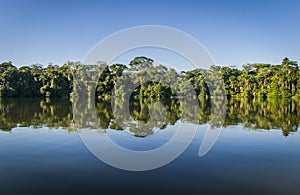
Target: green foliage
x=157 y=82
x=262 y=80
x=35 y=81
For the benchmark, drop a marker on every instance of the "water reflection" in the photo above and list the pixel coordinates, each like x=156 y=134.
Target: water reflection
x=265 y=114
x=35 y=113
x=149 y=116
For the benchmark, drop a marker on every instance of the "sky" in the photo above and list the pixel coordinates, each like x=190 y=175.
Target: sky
x=234 y=32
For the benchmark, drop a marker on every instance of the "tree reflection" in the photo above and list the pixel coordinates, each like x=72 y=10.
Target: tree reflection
x=264 y=114
x=147 y=116
x=35 y=113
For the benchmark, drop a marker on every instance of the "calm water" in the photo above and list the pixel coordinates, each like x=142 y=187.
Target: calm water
x=257 y=151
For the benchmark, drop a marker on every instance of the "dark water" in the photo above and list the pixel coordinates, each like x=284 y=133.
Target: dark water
x=257 y=151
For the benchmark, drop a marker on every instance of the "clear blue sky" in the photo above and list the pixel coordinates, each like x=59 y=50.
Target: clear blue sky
x=235 y=32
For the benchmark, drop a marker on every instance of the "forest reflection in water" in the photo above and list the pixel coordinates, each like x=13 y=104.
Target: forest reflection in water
x=281 y=114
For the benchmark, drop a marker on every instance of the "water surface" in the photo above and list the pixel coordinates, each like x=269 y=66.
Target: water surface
x=256 y=153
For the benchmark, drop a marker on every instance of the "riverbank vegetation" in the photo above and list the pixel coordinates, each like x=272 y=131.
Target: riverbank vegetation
x=258 y=80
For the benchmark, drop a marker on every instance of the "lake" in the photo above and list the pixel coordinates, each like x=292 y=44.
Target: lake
x=255 y=153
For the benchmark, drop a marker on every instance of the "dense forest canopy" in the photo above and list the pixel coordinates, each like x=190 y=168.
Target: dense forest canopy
x=253 y=80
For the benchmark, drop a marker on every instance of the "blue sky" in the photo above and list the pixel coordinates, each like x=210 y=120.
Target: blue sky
x=235 y=32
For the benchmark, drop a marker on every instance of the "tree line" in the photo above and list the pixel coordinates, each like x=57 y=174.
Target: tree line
x=253 y=80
